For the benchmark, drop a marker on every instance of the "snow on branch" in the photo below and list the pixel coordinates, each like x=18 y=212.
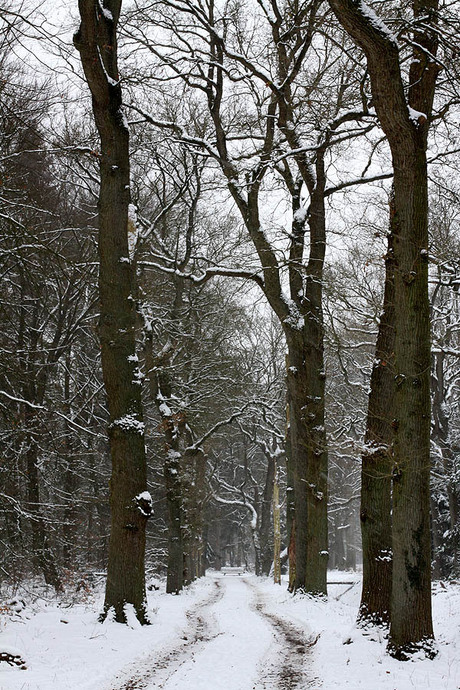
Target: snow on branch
x=374 y=20
x=243 y=504
x=357 y=181
x=22 y=401
x=207 y=274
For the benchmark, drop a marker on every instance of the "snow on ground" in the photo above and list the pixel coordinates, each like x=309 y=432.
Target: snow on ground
x=67 y=649
x=347 y=659
x=223 y=632
x=238 y=640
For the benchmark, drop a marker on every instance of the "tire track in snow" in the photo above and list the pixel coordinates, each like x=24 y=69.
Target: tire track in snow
x=286 y=669
x=157 y=668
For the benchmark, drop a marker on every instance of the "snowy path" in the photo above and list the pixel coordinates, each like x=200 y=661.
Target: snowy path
x=237 y=633
x=232 y=639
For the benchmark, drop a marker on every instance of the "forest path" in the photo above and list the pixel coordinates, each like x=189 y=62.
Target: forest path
x=231 y=643
x=288 y=669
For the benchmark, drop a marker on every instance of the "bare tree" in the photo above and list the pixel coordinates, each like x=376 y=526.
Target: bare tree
x=273 y=144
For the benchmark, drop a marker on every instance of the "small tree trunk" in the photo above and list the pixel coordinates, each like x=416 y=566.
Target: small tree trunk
x=266 y=550
x=276 y=531
x=43 y=554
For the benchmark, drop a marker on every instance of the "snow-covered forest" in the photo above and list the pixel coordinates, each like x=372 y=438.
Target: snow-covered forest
x=230 y=344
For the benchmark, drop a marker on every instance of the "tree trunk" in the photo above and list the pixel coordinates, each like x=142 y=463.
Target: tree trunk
x=441 y=436
x=41 y=549
x=307 y=422
x=405 y=121
x=130 y=503
x=70 y=480
x=301 y=318
x=306 y=384
x=290 y=495
x=276 y=530
x=411 y=623
x=195 y=468
x=266 y=549
x=175 y=575
x=377 y=463
x=161 y=392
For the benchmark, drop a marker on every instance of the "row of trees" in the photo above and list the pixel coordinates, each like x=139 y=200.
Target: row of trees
x=233 y=171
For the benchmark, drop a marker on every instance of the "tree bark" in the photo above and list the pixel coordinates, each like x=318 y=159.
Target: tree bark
x=96 y=42
x=377 y=463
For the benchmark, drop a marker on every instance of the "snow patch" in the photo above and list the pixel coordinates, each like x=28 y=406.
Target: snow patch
x=107 y=13
x=129 y=423
x=144 y=503
x=418 y=118
x=300 y=216
x=165 y=410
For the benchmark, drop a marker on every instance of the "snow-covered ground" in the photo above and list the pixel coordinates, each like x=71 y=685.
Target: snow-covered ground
x=237 y=633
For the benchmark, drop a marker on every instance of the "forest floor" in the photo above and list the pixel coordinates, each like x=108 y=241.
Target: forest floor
x=223 y=633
